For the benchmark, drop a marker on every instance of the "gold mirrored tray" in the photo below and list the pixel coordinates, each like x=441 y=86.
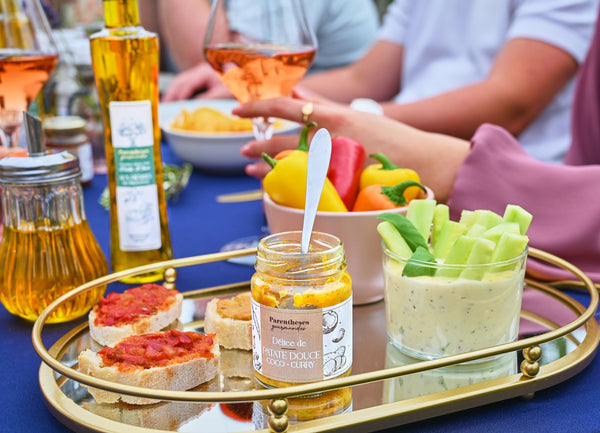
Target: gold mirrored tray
x=385 y=389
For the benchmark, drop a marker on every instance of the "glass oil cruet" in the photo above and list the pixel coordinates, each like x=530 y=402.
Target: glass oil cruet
x=48 y=247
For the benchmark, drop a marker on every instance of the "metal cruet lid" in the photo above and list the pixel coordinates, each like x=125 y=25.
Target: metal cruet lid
x=39 y=167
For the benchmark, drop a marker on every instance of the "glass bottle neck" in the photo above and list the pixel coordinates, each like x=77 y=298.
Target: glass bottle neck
x=121 y=13
x=16 y=30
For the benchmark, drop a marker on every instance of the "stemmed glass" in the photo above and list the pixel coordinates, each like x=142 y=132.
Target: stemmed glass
x=267 y=50
x=28 y=56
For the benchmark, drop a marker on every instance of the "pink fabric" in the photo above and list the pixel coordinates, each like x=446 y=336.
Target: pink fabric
x=563 y=199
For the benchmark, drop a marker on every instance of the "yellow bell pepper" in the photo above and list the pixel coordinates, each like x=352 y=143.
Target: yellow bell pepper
x=286 y=183
x=389 y=174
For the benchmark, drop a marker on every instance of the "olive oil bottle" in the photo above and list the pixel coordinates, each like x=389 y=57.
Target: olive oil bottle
x=125 y=58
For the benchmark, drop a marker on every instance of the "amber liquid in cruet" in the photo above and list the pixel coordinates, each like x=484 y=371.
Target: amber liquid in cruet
x=42 y=265
x=126 y=66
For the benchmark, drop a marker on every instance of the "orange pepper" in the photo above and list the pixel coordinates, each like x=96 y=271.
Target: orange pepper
x=382 y=197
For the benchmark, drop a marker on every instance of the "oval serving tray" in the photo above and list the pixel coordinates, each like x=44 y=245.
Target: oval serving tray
x=388 y=389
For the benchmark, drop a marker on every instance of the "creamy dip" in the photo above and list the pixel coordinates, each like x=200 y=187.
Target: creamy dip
x=431 y=317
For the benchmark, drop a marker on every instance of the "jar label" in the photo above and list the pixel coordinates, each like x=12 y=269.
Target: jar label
x=86 y=161
x=137 y=194
x=302 y=345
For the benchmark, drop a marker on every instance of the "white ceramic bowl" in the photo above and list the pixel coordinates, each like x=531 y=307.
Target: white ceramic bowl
x=215 y=152
x=357 y=231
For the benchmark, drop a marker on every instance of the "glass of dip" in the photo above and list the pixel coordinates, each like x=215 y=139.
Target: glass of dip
x=459 y=308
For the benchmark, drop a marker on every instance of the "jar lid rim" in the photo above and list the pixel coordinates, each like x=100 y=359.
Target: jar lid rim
x=51 y=167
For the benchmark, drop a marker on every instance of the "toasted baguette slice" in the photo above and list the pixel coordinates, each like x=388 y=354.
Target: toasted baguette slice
x=191 y=368
x=233 y=333
x=139 y=310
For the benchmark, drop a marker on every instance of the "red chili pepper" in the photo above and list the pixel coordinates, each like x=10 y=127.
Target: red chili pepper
x=348 y=158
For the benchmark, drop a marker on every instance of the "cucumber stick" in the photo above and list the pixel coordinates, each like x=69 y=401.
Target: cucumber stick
x=510 y=245
x=441 y=214
x=480 y=237
x=458 y=255
x=449 y=233
x=476 y=230
x=487 y=218
x=393 y=239
x=495 y=232
x=420 y=213
x=514 y=213
x=481 y=254
x=467 y=217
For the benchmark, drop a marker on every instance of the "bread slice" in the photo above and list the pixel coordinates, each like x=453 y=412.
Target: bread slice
x=233 y=333
x=130 y=362
x=139 y=310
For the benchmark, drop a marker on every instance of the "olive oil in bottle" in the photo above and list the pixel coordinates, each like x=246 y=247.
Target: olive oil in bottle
x=125 y=59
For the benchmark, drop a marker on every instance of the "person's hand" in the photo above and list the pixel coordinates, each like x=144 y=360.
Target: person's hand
x=435 y=157
x=337 y=119
x=271 y=147
x=200 y=81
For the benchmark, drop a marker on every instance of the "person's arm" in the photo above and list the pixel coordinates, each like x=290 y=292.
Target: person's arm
x=182 y=25
x=376 y=76
x=434 y=156
x=469 y=176
x=525 y=77
x=200 y=81
x=149 y=15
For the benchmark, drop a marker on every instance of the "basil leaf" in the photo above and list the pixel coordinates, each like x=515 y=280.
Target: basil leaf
x=413 y=269
x=407 y=229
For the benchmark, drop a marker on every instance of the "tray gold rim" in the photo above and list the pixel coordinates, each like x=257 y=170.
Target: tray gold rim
x=448 y=401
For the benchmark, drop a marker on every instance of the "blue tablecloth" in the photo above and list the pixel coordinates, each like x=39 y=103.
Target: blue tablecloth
x=200 y=225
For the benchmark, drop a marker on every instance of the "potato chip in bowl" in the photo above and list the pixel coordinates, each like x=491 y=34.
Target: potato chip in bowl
x=207 y=119
x=204 y=133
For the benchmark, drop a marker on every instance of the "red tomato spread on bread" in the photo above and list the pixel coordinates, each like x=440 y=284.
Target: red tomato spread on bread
x=158 y=349
x=237 y=308
x=132 y=304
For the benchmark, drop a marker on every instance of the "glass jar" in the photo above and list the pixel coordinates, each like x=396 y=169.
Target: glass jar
x=47 y=247
x=69 y=133
x=301 y=310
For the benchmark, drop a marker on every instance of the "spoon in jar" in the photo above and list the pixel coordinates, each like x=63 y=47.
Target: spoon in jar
x=319 y=155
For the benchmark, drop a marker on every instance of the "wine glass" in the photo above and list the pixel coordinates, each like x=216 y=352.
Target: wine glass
x=28 y=56
x=267 y=50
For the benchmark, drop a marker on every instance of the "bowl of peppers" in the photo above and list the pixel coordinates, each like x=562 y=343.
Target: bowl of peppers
x=354 y=195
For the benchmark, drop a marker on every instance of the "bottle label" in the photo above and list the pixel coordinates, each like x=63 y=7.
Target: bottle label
x=137 y=194
x=302 y=345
